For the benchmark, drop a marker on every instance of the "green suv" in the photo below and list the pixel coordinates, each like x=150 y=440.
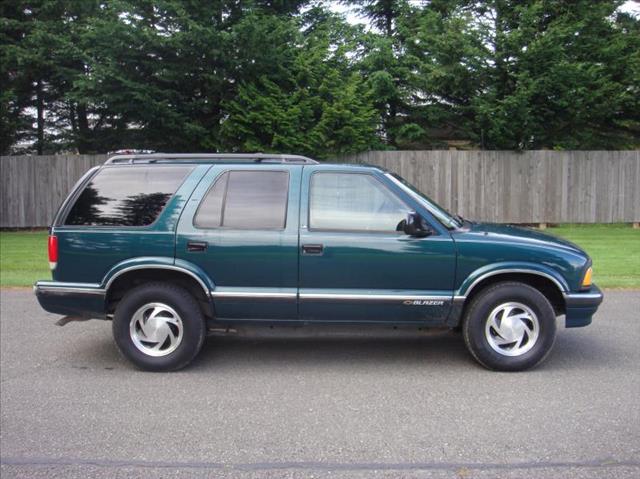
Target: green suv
x=169 y=247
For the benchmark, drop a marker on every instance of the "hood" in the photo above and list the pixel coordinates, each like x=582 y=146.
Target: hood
x=525 y=235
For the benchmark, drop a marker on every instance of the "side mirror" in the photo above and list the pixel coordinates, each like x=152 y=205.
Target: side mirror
x=416 y=226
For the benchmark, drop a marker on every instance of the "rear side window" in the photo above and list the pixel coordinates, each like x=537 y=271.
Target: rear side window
x=126 y=196
x=246 y=200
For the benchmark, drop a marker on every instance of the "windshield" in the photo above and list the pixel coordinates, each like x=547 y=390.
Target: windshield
x=442 y=215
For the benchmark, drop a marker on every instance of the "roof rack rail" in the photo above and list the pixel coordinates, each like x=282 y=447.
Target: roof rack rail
x=210 y=157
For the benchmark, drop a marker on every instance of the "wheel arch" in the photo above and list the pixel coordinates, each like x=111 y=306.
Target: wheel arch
x=128 y=275
x=549 y=282
x=550 y=286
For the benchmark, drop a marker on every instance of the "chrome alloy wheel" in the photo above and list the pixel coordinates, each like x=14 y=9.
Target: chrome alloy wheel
x=156 y=329
x=512 y=329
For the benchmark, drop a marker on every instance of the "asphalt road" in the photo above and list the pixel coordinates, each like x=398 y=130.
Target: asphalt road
x=385 y=405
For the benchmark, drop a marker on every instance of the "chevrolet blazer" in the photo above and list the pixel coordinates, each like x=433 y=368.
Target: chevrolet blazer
x=169 y=247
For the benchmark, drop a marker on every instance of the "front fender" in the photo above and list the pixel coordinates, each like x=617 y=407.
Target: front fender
x=508 y=268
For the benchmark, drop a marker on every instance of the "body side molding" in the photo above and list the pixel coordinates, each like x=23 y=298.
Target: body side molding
x=372 y=297
x=59 y=287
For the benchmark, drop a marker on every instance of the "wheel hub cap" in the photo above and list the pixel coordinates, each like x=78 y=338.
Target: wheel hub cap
x=156 y=329
x=512 y=329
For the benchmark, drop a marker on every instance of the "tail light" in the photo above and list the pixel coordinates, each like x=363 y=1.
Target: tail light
x=53 y=251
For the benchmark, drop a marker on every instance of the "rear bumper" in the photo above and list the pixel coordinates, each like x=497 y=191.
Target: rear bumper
x=71 y=299
x=580 y=307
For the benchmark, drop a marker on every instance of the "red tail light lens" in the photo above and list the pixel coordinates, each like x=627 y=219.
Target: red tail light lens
x=53 y=251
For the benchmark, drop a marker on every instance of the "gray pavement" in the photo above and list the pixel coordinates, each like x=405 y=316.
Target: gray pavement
x=384 y=405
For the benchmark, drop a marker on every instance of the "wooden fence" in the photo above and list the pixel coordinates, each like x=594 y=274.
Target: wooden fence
x=527 y=187
x=32 y=187
x=500 y=186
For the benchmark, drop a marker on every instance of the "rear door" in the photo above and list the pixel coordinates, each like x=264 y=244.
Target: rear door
x=241 y=227
x=355 y=265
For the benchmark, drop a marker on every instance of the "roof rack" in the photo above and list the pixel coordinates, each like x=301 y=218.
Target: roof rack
x=210 y=157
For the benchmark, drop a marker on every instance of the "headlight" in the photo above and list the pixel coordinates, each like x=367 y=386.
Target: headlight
x=586 y=281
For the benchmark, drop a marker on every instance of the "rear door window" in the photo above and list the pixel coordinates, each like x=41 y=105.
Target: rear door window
x=126 y=196
x=244 y=199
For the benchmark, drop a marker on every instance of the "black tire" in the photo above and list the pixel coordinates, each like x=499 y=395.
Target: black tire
x=189 y=315
x=478 y=314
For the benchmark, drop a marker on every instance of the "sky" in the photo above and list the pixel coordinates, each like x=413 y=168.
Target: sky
x=630 y=6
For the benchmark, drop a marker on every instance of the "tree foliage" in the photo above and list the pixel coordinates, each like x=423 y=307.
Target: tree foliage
x=314 y=101
x=291 y=76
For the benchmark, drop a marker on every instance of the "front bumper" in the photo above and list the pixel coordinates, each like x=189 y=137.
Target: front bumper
x=71 y=299
x=580 y=307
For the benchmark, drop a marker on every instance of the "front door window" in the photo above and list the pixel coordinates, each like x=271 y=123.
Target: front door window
x=353 y=202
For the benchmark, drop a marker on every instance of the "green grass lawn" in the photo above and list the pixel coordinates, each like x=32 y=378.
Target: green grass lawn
x=23 y=258
x=615 y=250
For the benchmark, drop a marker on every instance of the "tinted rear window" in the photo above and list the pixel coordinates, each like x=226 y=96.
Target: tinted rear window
x=126 y=196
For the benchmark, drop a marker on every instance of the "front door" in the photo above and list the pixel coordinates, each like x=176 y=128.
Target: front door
x=354 y=263
x=241 y=227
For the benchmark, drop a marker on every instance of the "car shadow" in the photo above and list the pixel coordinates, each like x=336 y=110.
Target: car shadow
x=572 y=350
x=332 y=352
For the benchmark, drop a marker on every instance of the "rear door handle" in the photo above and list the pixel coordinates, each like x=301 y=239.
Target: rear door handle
x=316 y=249
x=197 y=246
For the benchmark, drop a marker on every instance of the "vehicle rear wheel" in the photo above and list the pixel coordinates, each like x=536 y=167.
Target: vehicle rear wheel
x=159 y=327
x=509 y=326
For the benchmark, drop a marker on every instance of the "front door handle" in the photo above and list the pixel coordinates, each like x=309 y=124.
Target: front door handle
x=315 y=249
x=196 y=246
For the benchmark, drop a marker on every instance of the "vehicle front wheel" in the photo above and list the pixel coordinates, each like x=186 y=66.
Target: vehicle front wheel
x=159 y=327
x=509 y=326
